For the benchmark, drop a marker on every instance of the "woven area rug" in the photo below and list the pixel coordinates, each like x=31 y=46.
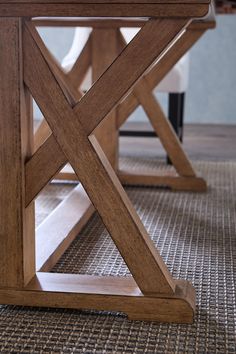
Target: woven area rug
x=196 y=235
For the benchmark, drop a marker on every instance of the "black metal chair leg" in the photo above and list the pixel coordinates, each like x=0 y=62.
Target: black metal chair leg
x=176 y=114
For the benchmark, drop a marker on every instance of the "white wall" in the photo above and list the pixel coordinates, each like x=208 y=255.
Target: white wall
x=211 y=97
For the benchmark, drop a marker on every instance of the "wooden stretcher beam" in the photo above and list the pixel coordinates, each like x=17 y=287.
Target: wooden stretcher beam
x=55 y=234
x=205 y=23
x=29 y=9
x=104 y=293
x=147 y=178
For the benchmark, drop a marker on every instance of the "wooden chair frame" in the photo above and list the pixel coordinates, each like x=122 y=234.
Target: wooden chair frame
x=27 y=68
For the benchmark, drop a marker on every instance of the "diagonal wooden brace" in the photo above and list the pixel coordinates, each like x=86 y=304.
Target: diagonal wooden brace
x=132 y=56
x=142 y=93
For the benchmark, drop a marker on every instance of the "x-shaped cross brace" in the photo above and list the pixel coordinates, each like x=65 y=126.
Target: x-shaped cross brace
x=72 y=139
x=152 y=293
x=141 y=94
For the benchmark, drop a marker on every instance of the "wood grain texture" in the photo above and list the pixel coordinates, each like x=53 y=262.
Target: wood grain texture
x=203 y=23
x=17 y=224
x=105 y=293
x=164 y=2
x=96 y=175
x=148 y=178
x=79 y=70
x=146 y=47
x=105 y=10
x=164 y=130
x=99 y=97
x=42 y=133
x=55 y=234
x=71 y=93
x=28 y=219
x=126 y=107
x=104 y=52
x=72 y=125
x=88 y=22
x=177 y=183
x=167 y=136
x=40 y=169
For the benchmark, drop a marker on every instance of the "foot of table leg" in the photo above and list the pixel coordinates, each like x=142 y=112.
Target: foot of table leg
x=105 y=293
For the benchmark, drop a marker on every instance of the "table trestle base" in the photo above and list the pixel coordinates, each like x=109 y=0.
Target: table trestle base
x=141 y=94
x=27 y=68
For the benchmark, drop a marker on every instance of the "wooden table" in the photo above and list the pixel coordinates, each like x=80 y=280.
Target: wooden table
x=26 y=69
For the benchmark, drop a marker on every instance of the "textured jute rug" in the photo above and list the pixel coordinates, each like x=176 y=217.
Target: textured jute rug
x=196 y=235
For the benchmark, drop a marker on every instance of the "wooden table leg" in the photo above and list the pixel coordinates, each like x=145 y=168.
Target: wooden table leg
x=104 y=51
x=152 y=293
x=17 y=251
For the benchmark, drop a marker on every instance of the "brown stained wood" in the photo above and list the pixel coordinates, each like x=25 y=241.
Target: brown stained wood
x=126 y=107
x=96 y=96
x=164 y=130
x=164 y=2
x=183 y=165
x=88 y=22
x=84 y=283
x=204 y=23
x=168 y=300
x=104 y=51
x=192 y=34
x=60 y=228
x=17 y=224
x=158 y=72
x=41 y=135
x=146 y=178
x=79 y=70
x=96 y=175
x=40 y=169
x=28 y=221
x=164 y=10
x=72 y=93
x=152 y=40
x=105 y=293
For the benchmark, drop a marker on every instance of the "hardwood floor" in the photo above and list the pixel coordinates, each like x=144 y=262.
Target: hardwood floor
x=202 y=142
